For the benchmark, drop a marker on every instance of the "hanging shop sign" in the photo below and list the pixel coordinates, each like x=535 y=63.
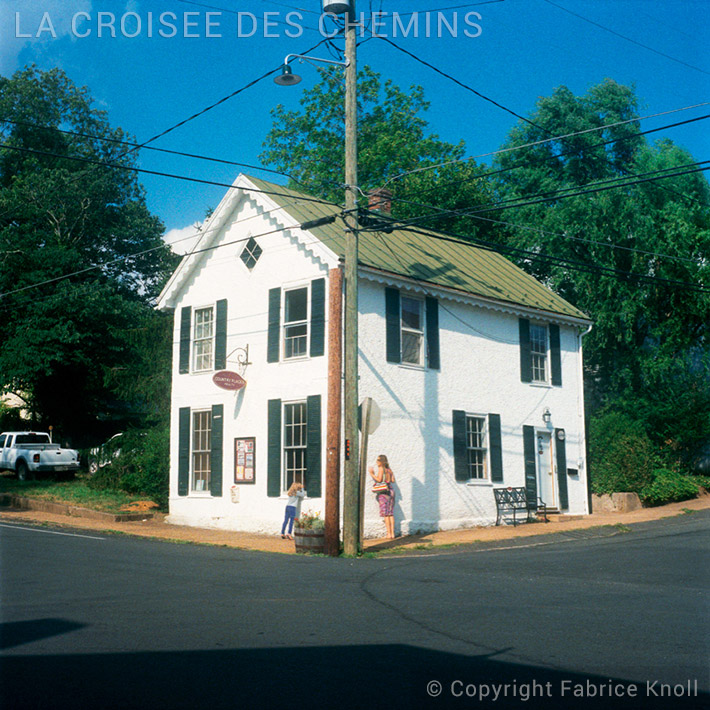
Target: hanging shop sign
x=228 y=380
x=245 y=460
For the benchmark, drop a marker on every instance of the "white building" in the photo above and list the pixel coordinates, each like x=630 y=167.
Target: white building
x=463 y=352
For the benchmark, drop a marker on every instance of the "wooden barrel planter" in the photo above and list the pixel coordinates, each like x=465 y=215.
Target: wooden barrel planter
x=309 y=541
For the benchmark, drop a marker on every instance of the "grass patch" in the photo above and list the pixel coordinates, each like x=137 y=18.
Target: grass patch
x=687 y=511
x=75 y=492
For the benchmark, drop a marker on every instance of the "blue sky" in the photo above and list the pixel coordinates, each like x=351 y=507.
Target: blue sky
x=520 y=50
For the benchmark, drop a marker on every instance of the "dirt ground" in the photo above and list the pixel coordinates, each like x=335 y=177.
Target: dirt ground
x=156 y=527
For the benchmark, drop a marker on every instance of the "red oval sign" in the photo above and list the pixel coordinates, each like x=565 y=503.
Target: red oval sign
x=228 y=380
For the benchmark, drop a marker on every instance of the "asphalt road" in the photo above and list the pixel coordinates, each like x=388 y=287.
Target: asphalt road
x=100 y=621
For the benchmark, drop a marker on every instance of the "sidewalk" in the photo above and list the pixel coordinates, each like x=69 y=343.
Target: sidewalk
x=414 y=544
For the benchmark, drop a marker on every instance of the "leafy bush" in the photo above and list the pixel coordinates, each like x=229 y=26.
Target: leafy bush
x=621 y=456
x=142 y=467
x=668 y=487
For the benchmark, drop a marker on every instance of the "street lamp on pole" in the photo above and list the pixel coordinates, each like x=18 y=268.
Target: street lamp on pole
x=351 y=488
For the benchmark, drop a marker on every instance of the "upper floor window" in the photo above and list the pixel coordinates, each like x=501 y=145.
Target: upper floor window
x=296 y=323
x=203 y=339
x=538 y=352
x=251 y=253
x=411 y=329
x=413 y=351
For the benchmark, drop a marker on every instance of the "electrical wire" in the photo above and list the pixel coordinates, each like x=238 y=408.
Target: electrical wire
x=624 y=37
x=556 y=156
x=559 y=261
x=617 y=183
x=131 y=168
x=563 y=235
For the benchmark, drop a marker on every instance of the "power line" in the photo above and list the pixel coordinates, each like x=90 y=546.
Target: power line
x=556 y=156
x=94 y=161
x=624 y=37
x=572 y=265
x=556 y=234
x=117 y=141
x=486 y=98
x=618 y=183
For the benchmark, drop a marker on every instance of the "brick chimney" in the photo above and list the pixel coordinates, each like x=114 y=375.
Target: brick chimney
x=380 y=200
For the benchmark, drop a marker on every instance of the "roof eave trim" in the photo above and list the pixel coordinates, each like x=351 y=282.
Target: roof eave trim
x=393 y=279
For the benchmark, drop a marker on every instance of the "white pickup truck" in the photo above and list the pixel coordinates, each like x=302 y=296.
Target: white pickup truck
x=29 y=453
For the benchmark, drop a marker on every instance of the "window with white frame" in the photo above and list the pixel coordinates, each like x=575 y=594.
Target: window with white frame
x=413 y=351
x=295 y=443
x=538 y=352
x=201 y=450
x=295 y=331
x=203 y=339
x=476 y=446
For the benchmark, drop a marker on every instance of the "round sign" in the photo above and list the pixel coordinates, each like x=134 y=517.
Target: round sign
x=228 y=380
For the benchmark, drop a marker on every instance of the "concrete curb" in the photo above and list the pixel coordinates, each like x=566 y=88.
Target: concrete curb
x=21 y=503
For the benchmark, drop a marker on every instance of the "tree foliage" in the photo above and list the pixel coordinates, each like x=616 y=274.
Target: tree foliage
x=394 y=144
x=638 y=253
x=70 y=280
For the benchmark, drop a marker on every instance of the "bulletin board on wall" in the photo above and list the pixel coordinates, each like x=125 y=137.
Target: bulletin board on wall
x=245 y=459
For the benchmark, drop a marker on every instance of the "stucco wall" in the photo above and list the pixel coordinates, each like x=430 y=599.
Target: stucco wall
x=480 y=373
x=284 y=263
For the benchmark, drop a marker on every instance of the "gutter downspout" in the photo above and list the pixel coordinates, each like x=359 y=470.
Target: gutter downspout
x=582 y=424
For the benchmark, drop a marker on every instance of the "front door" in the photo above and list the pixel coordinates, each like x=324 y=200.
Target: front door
x=545 y=468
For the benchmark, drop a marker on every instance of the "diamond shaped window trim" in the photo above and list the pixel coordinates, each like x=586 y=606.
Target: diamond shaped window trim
x=251 y=253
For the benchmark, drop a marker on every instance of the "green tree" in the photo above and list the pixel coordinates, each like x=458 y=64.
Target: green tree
x=393 y=139
x=640 y=251
x=70 y=283
x=646 y=244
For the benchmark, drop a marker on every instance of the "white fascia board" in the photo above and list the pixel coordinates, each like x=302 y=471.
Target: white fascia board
x=306 y=240
x=242 y=189
x=210 y=229
x=426 y=287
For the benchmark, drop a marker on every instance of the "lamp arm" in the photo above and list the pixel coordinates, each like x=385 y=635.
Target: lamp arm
x=302 y=57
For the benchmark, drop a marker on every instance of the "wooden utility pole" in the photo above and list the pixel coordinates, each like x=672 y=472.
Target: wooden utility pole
x=335 y=391
x=351 y=488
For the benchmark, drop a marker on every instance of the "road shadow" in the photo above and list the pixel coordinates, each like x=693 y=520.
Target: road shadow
x=17 y=633
x=385 y=676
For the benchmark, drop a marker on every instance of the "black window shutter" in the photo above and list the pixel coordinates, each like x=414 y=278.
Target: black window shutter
x=220 y=344
x=216 y=452
x=555 y=356
x=185 y=323
x=530 y=466
x=273 y=341
x=496 y=448
x=273 y=483
x=392 y=325
x=432 y=333
x=314 y=450
x=525 y=354
x=561 y=459
x=183 y=451
x=461 y=467
x=317 y=317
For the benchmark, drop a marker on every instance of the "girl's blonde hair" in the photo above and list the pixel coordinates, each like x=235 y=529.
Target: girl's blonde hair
x=295 y=486
x=383 y=460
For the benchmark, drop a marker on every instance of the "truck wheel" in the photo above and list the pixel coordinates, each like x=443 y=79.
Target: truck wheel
x=23 y=472
x=93 y=466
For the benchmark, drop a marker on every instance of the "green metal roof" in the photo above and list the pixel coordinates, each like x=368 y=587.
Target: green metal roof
x=426 y=256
